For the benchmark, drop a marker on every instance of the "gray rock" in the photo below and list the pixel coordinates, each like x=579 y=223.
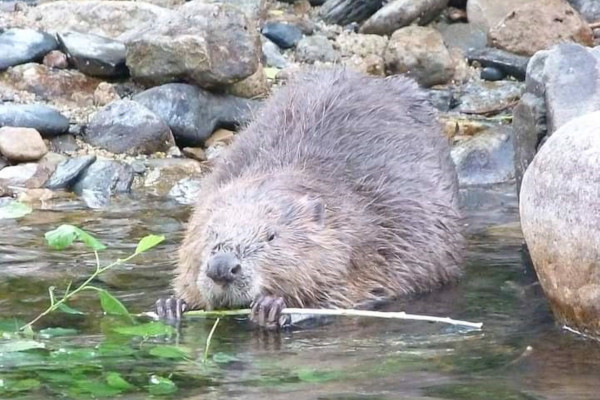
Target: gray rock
x=344 y=12
x=210 y=45
x=282 y=34
x=193 y=114
x=255 y=10
x=46 y=120
x=478 y=96
x=164 y=174
x=485 y=159
x=443 y=100
x=101 y=180
x=420 y=52
x=272 y=57
x=561 y=224
x=509 y=63
x=68 y=171
x=186 y=191
x=18 y=175
x=492 y=74
x=125 y=126
x=138 y=167
x=400 y=13
x=94 y=55
x=316 y=48
x=590 y=9
x=20 y=46
x=63 y=144
x=464 y=36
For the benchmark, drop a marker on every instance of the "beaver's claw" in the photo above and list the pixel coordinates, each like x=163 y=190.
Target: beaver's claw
x=266 y=312
x=170 y=309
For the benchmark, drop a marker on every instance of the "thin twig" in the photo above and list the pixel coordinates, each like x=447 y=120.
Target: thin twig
x=492 y=110
x=208 y=339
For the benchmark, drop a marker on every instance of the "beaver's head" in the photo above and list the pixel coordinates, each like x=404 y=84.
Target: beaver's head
x=259 y=240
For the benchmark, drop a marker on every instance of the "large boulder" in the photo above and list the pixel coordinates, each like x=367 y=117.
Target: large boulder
x=559 y=206
x=209 y=45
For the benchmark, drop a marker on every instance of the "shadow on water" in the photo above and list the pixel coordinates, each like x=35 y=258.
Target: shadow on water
x=520 y=353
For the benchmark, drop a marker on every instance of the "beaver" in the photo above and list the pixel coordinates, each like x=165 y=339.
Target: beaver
x=340 y=192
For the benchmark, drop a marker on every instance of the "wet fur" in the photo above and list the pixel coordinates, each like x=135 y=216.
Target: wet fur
x=355 y=176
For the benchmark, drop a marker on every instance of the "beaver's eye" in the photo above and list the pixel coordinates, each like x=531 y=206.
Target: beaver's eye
x=270 y=236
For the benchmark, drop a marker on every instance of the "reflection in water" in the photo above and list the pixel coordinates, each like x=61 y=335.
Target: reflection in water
x=520 y=354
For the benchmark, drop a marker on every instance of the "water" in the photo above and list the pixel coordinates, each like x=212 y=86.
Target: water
x=520 y=354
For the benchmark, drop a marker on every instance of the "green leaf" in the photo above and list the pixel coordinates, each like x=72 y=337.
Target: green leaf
x=97 y=389
x=148 y=242
x=111 y=305
x=64 y=236
x=115 y=380
x=20 y=345
x=54 y=332
x=14 y=210
x=315 y=376
x=69 y=310
x=223 y=358
x=23 y=385
x=169 y=352
x=154 y=328
x=160 y=385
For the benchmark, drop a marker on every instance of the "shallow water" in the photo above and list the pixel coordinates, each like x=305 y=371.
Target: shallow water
x=520 y=353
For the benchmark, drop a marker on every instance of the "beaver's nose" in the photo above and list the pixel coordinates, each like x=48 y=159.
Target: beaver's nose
x=223 y=267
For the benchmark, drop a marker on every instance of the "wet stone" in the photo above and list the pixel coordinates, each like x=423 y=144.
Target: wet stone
x=95 y=55
x=481 y=96
x=400 y=13
x=283 y=35
x=101 y=180
x=19 y=46
x=344 y=12
x=492 y=74
x=46 y=120
x=186 y=191
x=511 y=64
x=68 y=171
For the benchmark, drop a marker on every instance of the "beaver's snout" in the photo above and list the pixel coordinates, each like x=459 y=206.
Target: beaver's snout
x=223 y=268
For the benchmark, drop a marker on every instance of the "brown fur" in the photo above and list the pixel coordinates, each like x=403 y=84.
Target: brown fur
x=353 y=175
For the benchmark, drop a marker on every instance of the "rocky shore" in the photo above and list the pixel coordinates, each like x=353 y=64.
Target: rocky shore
x=112 y=98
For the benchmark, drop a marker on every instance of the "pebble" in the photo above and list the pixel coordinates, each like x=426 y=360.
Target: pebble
x=193 y=113
x=509 y=63
x=101 y=180
x=68 y=171
x=492 y=74
x=126 y=126
x=46 y=120
x=95 y=55
x=19 y=46
x=272 y=55
x=283 y=35
x=316 y=48
x=21 y=144
x=197 y=153
x=56 y=59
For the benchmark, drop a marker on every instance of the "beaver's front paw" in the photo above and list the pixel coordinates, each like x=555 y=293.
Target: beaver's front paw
x=170 y=309
x=266 y=312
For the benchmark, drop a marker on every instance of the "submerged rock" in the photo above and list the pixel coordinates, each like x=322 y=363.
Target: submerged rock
x=46 y=120
x=186 y=191
x=95 y=55
x=21 y=144
x=68 y=171
x=126 y=126
x=19 y=46
x=400 y=13
x=193 y=114
x=101 y=180
x=561 y=224
x=163 y=174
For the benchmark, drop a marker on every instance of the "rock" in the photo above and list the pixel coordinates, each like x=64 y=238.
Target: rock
x=464 y=36
x=400 y=13
x=193 y=113
x=488 y=13
x=509 y=63
x=443 y=100
x=163 y=174
x=589 y=9
x=46 y=120
x=63 y=144
x=282 y=34
x=138 y=167
x=316 y=48
x=19 y=46
x=477 y=97
x=101 y=180
x=372 y=64
x=21 y=144
x=105 y=93
x=419 y=52
x=17 y=175
x=220 y=137
x=39 y=196
x=208 y=45
x=186 y=191
x=255 y=10
x=56 y=59
x=560 y=222
x=126 y=126
x=343 y=12
x=533 y=27
x=462 y=71
x=485 y=159
x=94 y=55
x=272 y=55
x=492 y=74
x=196 y=153
x=53 y=84
x=361 y=45
x=254 y=86
x=68 y=171
x=110 y=18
